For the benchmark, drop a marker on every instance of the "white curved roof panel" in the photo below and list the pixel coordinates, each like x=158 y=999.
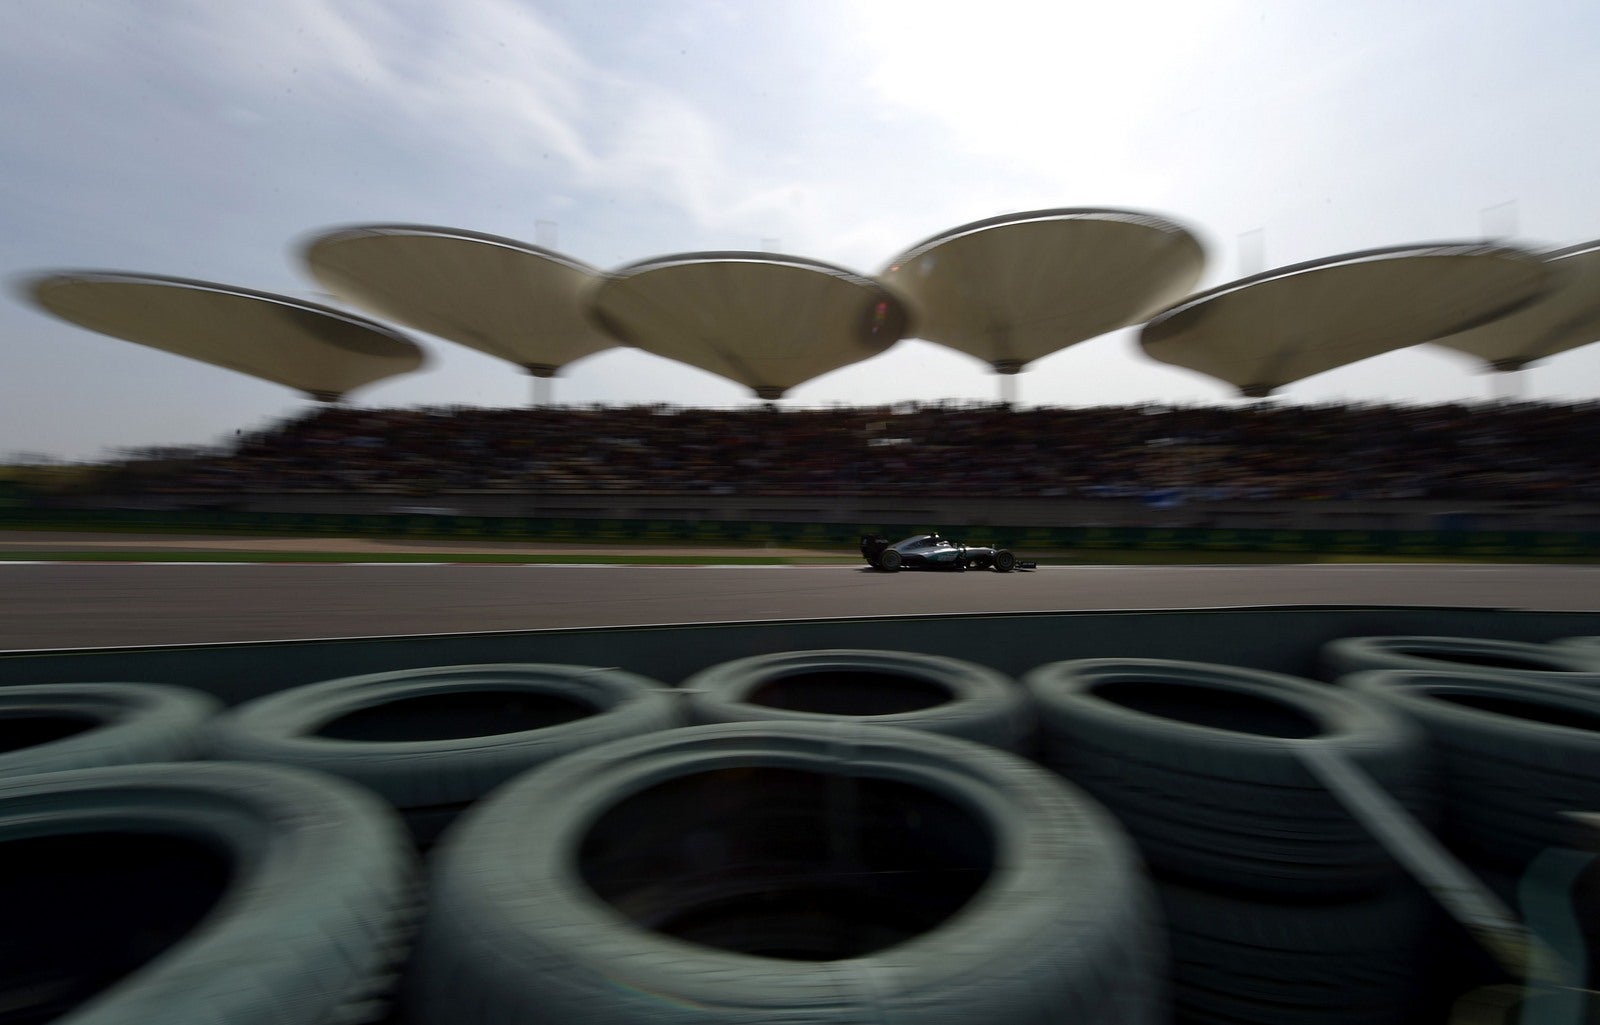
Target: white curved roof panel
x=1263 y=332
x=1012 y=289
x=507 y=298
x=767 y=322
x=1564 y=318
x=316 y=349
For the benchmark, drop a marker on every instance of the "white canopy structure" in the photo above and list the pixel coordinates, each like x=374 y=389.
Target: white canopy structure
x=767 y=322
x=1012 y=289
x=1263 y=332
x=507 y=298
x=1566 y=317
x=316 y=349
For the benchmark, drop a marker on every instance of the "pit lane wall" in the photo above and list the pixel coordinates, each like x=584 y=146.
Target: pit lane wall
x=444 y=524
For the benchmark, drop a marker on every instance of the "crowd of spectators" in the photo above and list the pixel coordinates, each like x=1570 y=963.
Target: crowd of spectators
x=1251 y=453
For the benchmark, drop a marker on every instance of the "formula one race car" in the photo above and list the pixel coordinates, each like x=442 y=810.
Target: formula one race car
x=930 y=551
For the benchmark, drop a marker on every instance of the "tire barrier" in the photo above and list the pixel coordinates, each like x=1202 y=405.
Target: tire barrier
x=198 y=893
x=1200 y=762
x=1558 y=896
x=1367 y=960
x=1514 y=755
x=1451 y=654
x=55 y=726
x=431 y=741
x=891 y=688
x=786 y=871
x=1585 y=648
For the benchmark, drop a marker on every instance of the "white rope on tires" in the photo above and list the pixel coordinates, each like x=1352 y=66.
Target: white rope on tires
x=1202 y=764
x=890 y=688
x=198 y=894
x=1514 y=755
x=433 y=740
x=784 y=871
x=54 y=726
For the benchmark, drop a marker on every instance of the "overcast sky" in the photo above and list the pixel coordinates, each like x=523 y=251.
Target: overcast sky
x=209 y=139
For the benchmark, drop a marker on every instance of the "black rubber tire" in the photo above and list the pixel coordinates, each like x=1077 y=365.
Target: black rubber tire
x=1004 y=561
x=1505 y=659
x=1060 y=930
x=889 y=560
x=302 y=911
x=1232 y=807
x=1509 y=773
x=1558 y=898
x=50 y=727
x=1239 y=961
x=1585 y=648
x=431 y=780
x=890 y=688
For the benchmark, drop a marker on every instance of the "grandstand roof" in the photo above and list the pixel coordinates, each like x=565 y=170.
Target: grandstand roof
x=767 y=322
x=319 y=350
x=1566 y=317
x=1263 y=332
x=507 y=298
x=1014 y=288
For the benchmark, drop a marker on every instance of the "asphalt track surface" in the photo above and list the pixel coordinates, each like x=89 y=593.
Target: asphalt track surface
x=72 y=605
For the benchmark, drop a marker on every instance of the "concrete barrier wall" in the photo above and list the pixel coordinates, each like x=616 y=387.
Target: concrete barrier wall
x=1277 y=639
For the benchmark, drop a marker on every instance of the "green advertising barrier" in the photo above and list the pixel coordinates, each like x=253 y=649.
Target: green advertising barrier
x=1287 y=541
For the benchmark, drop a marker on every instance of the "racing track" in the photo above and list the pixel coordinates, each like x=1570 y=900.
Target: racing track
x=68 y=605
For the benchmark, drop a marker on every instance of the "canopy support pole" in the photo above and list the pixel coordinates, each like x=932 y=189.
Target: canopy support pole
x=541 y=374
x=1008 y=369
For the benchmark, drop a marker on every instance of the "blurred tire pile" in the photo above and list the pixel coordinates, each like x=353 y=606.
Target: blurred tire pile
x=809 y=836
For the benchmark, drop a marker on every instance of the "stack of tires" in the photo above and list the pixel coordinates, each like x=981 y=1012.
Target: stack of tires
x=787 y=871
x=1280 y=906
x=1514 y=730
x=933 y=693
x=844 y=836
x=432 y=741
x=140 y=887
x=828 y=836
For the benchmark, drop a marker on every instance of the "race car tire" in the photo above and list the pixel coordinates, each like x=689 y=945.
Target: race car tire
x=1513 y=755
x=1278 y=963
x=889 y=560
x=431 y=741
x=1004 y=561
x=198 y=893
x=757 y=872
x=49 y=727
x=1203 y=765
x=934 y=693
x=1450 y=654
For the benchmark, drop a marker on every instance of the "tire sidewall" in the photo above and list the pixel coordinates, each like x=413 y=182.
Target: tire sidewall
x=280 y=727
x=983 y=704
x=1063 y=869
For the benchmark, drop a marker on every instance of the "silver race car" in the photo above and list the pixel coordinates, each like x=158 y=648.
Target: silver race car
x=930 y=551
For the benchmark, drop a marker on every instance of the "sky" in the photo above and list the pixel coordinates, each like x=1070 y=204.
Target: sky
x=210 y=139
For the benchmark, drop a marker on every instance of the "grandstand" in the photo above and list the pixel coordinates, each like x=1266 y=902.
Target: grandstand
x=1510 y=466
